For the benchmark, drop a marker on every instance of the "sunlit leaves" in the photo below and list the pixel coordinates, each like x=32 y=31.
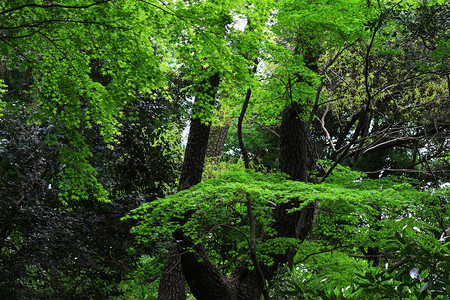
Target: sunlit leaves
x=353 y=211
x=59 y=44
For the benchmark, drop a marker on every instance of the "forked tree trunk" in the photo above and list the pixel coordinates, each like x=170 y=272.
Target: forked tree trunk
x=204 y=279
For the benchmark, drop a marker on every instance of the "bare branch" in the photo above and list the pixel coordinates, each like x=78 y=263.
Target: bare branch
x=322 y=123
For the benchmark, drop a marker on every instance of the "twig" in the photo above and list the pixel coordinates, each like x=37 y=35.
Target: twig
x=52 y=6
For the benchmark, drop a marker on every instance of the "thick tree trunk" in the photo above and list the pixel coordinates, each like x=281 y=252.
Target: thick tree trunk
x=297 y=159
x=297 y=156
x=194 y=157
x=204 y=279
x=172 y=277
x=216 y=140
x=243 y=283
x=172 y=282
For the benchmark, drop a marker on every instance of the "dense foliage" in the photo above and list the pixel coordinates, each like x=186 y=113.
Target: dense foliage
x=356 y=213
x=333 y=181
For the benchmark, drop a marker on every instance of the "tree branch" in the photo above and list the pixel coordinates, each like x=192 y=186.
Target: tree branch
x=259 y=273
x=39 y=24
x=53 y=6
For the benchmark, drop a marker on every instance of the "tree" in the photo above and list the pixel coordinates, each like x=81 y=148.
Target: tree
x=57 y=44
x=346 y=81
x=79 y=249
x=299 y=59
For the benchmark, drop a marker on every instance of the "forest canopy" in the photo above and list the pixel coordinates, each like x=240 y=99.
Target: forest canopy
x=224 y=149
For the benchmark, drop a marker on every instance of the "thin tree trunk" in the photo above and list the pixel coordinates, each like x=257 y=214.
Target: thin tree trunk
x=242 y=114
x=241 y=119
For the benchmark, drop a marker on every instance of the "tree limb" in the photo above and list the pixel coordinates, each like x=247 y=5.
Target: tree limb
x=53 y=6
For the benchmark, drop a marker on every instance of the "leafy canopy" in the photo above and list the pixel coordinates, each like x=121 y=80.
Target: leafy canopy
x=345 y=198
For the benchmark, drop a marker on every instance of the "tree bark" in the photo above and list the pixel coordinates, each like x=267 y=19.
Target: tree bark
x=216 y=140
x=172 y=277
x=205 y=281
x=172 y=282
x=240 y=120
x=194 y=157
x=297 y=155
x=298 y=160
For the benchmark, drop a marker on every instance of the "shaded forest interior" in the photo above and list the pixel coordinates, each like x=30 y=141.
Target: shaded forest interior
x=200 y=149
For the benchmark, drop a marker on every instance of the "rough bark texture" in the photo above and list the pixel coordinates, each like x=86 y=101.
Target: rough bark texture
x=194 y=157
x=195 y=153
x=204 y=279
x=172 y=282
x=216 y=140
x=240 y=120
x=297 y=157
x=172 y=276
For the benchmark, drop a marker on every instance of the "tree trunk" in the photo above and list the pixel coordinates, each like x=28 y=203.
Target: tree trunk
x=172 y=282
x=216 y=140
x=204 y=279
x=194 y=156
x=240 y=120
x=297 y=156
x=172 y=277
x=298 y=160
x=244 y=283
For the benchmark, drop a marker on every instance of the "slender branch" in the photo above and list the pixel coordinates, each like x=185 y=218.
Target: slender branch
x=448 y=86
x=397 y=265
x=39 y=24
x=229 y=227
x=259 y=273
x=64 y=54
x=406 y=170
x=371 y=256
x=316 y=103
x=3 y=38
x=53 y=6
x=240 y=120
x=389 y=142
x=22 y=55
x=363 y=113
x=319 y=252
x=322 y=123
